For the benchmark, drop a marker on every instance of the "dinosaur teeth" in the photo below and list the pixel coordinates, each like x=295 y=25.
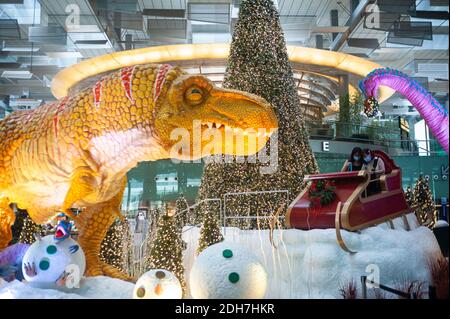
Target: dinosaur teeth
x=209 y=124
x=218 y=125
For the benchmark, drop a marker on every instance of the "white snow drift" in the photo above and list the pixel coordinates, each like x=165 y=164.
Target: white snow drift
x=305 y=264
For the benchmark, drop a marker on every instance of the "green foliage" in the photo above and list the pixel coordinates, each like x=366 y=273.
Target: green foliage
x=322 y=192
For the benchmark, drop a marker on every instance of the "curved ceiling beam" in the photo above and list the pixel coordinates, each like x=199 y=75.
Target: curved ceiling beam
x=72 y=75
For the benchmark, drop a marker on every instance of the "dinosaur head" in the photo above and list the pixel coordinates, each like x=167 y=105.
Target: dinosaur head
x=223 y=118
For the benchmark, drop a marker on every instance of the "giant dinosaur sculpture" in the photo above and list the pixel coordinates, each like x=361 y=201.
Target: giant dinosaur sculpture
x=76 y=152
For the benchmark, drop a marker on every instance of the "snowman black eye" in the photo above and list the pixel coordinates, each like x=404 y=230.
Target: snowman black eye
x=51 y=249
x=160 y=274
x=233 y=277
x=44 y=264
x=140 y=292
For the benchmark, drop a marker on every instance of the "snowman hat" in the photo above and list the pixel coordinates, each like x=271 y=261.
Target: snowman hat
x=61 y=214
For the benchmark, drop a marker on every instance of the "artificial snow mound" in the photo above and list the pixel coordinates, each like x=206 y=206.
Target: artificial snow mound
x=99 y=287
x=310 y=264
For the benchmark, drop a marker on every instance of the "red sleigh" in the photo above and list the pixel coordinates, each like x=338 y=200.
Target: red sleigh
x=352 y=209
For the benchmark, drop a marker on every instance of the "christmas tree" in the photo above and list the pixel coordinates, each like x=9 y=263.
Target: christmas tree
x=152 y=226
x=116 y=248
x=259 y=64
x=423 y=203
x=181 y=211
x=128 y=249
x=409 y=196
x=16 y=229
x=167 y=252
x=209 y=233
x=30 y=230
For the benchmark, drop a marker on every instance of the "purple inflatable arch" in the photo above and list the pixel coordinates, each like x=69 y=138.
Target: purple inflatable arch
x=434 y=114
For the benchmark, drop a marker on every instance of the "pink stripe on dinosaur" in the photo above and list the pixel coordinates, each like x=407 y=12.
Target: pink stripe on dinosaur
x=97 y=90
x=126 y=74
x=160 y=79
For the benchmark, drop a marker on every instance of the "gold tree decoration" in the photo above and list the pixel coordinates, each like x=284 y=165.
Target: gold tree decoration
x=209 y=232
x=112 y=248
x=183 y=216
x=16 y=229
x=127 y=248
x=259 y=64
x=423 y=203
x=409 y=196
x=167 y=251
x=29 y=230
x=152 y=226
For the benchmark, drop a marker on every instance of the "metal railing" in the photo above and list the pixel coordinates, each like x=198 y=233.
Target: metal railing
x=226 y=195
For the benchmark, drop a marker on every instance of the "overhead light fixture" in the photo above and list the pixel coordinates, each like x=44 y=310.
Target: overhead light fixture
x=20 y=49
x=17 y=75
x=64 y=55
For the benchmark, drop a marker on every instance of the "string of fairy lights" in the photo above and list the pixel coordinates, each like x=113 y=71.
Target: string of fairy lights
x=259 y=64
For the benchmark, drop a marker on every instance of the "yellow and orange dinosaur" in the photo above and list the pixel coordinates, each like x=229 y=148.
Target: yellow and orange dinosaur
x=75 y=153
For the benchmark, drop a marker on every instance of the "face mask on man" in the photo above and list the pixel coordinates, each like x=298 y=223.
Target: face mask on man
x=367 y=158
x=356 y=157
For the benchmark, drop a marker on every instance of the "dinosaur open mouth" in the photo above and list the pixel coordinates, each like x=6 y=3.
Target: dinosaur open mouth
x=223 y=127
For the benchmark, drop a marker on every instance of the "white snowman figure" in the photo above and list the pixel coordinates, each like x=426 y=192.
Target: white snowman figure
x=227 y=271
x=158 y=284
x=48 y=263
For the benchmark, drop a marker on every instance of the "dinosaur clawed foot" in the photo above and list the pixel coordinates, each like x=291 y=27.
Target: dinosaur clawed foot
x=103 y=269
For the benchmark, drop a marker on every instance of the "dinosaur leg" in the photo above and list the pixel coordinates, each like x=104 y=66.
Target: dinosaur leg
x=93 y=223
x=7 y=219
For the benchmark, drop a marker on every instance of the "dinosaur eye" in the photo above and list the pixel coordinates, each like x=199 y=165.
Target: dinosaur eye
x=194 y=95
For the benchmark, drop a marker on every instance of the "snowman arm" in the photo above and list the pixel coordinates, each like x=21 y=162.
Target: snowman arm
x=61 y=281
x=73 y=249
x=30 y=269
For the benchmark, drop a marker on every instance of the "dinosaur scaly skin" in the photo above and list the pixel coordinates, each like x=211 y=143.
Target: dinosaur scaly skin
x=76 y=152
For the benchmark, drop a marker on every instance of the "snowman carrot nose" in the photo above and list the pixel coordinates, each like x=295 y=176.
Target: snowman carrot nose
x=158 y=290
